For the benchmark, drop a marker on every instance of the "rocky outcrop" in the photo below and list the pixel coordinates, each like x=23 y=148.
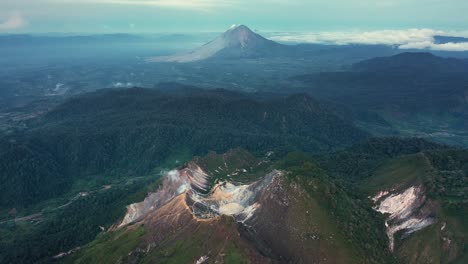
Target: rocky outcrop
x=408 y=210
x=181 y=210
x=191 y=183
x=266 y=217
x=226 y=198
x=175 y=183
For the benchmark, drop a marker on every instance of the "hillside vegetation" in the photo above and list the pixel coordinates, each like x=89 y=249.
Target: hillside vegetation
x=133 y=131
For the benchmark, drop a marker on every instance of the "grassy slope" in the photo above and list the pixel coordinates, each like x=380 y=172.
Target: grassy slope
x=110 y=247
x=190 y=245
x=359 y=231
x=323 y=223
x=403 y=171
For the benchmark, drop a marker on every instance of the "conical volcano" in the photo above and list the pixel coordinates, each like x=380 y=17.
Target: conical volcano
x=237 y=42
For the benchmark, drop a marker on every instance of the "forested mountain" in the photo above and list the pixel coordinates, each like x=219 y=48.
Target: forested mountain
x=305 y=209
x=133 y=131
x=419 y=62
x=357 y=162
x=69 y=173
x=294 y=213
x=181 y=174
x=313 y=203
x=405 y=83
x=417 y=94
x=149 y=131
x=420 y=188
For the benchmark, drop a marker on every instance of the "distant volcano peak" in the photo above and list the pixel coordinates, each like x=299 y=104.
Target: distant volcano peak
x=238 y=41
x=235 y=26
x=240 y=34
x=239 y=28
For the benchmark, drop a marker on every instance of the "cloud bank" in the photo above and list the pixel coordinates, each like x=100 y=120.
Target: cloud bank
x=450 y=46
x=403 y=39
x=14 y=21
x=174 y=4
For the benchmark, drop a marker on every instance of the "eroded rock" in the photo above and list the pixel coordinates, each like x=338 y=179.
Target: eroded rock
x=406 y=210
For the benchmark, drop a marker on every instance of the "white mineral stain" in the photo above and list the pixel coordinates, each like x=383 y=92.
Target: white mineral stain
x=225 y=198
x=402 y=211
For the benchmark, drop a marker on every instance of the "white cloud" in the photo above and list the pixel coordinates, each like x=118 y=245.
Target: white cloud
x=462 y=46
x=175 y=4
x=386 y=37
x=417 y=45
x=14 y=21
x=404 y=39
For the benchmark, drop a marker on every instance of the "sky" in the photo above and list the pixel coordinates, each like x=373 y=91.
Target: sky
x=407 y=23
x=151 y=16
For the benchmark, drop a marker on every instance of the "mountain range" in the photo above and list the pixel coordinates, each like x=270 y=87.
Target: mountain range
x=315 y=154
x=238 y=189
x=412 y=62
x=415 y=93
x=88 y=134
x=234 y=207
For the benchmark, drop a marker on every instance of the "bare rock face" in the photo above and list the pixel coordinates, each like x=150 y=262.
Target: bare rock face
x=268 y=218
x=175 y=183
x=226 y=198
x=190 y=185
x=183 y=208
x=408 y=210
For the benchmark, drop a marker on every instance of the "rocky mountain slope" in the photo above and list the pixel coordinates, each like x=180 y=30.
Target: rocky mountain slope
x=425 y=205
x=91 y=166
x=271 y=218
x=420 y=190
x=70 y=174
x=386 y=200
x=409 y=208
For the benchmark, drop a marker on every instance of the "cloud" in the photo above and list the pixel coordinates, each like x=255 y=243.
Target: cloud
x=385 y=37
x=14 y=21
x=174 y=4
x=404 y=39
x=450 y=46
